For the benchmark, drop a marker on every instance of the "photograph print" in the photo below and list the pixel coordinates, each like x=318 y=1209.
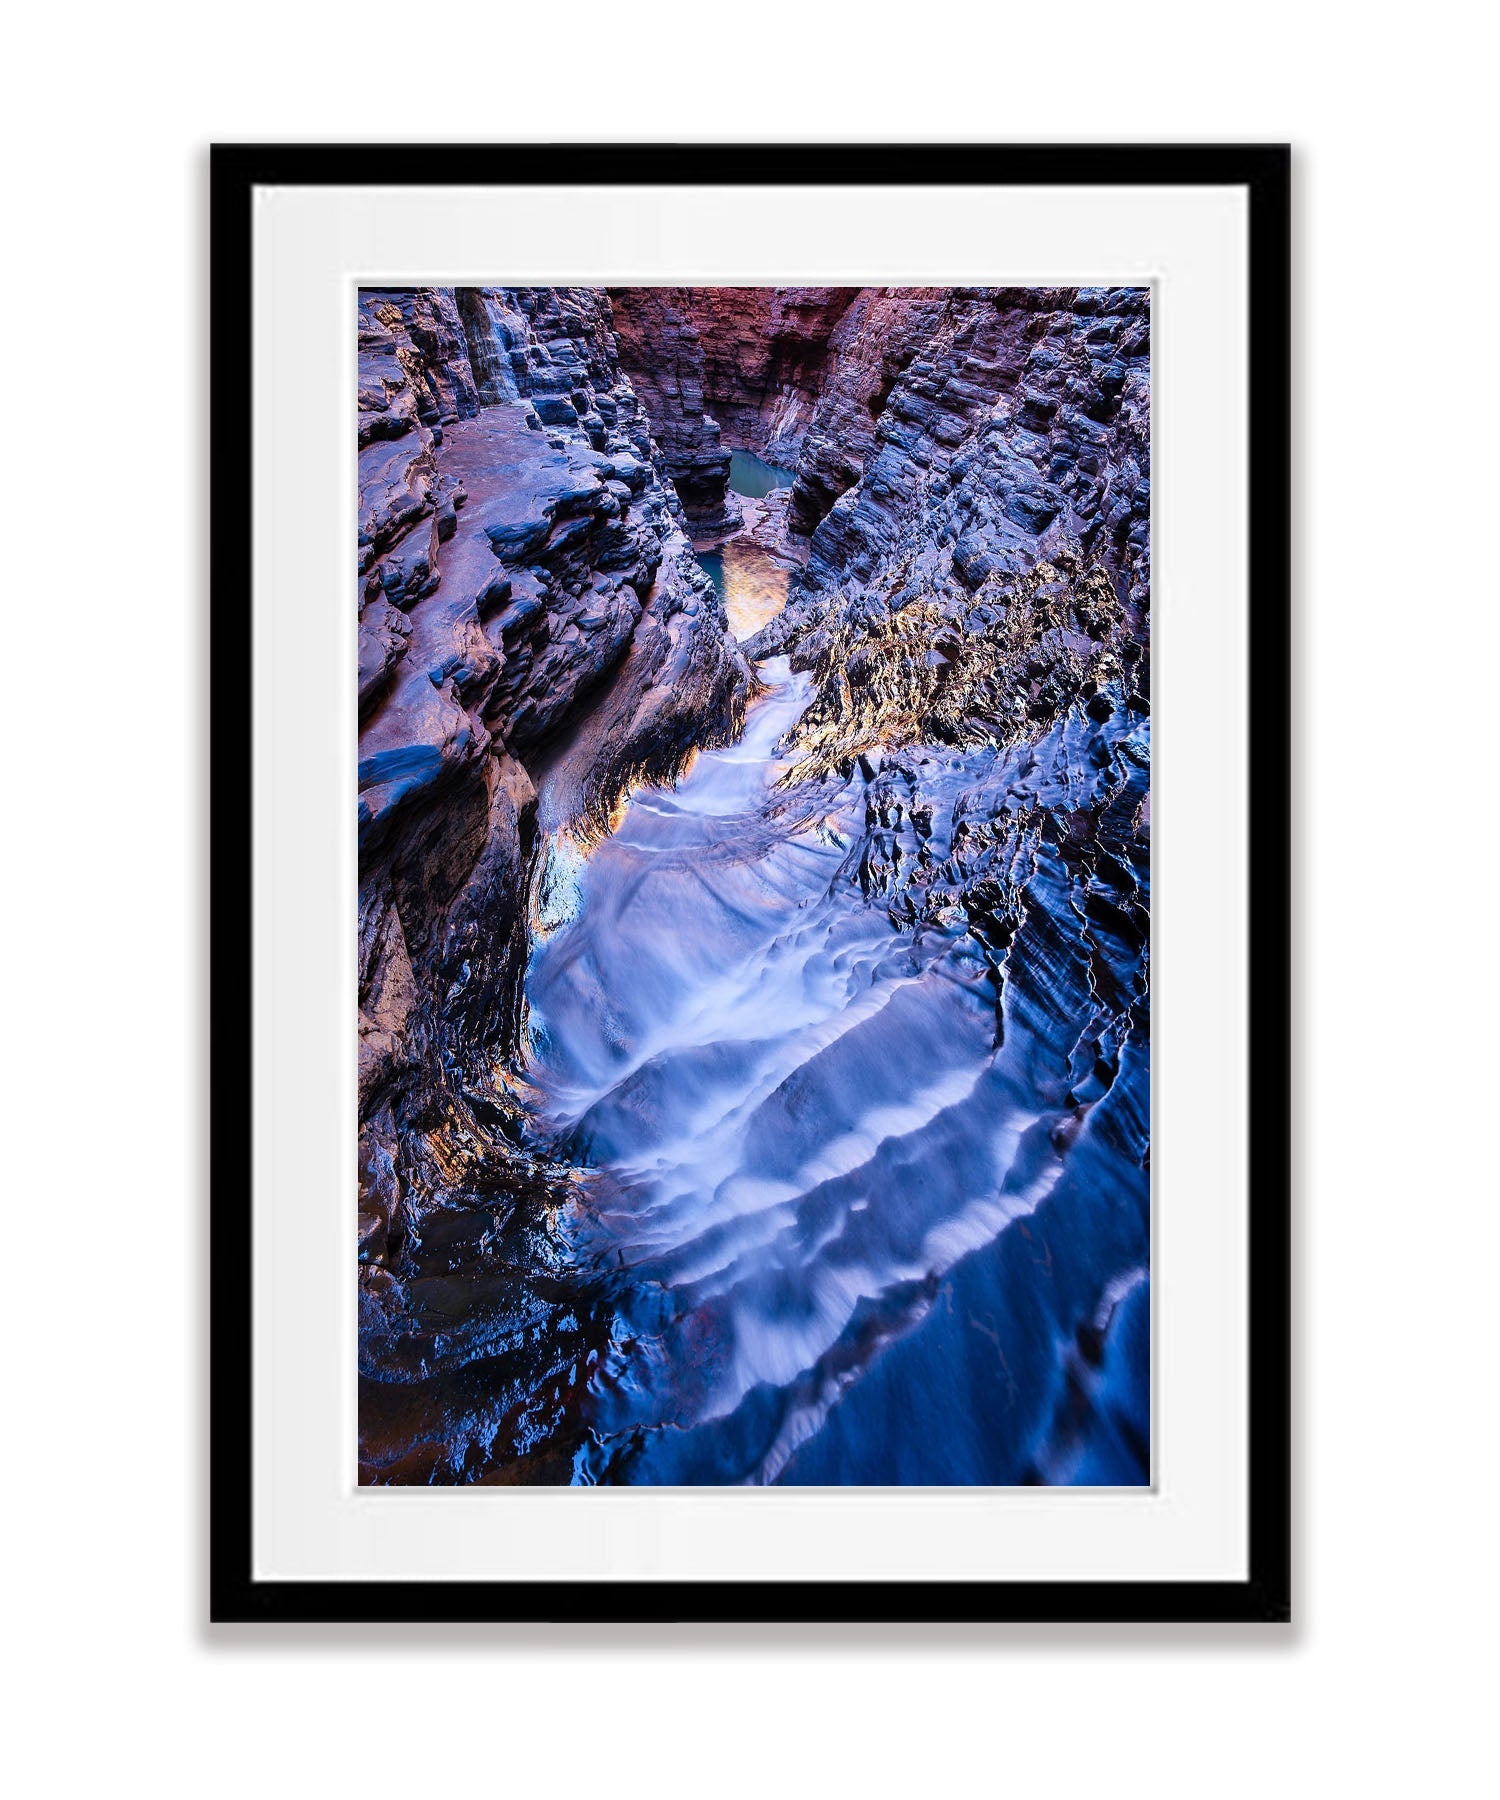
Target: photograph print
x=754 y=827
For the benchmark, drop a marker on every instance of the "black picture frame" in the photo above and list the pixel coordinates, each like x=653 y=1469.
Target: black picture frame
x=1263 y=171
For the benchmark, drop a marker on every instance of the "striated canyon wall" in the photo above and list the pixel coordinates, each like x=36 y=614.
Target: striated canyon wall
x=804 y=377
x=983 y=587
x=661 y=349
x=1002 y=508
x=722 y=368
x=534 y=634
x=759 y=356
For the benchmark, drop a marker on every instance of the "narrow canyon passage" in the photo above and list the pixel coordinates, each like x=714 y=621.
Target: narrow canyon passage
x=796 y=1120
x=754 y=931
x=751 y=1059
x=750 y=580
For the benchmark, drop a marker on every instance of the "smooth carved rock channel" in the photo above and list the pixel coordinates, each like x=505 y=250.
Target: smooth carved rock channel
x=754 y=944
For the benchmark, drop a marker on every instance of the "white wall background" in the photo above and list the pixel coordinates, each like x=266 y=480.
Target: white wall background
x=1380 y=1686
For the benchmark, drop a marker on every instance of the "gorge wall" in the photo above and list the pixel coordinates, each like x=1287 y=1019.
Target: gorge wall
x=533 y=633
x=1001 y=506
x=803 y=377
x=749 y=369
x=970 y=524
x=975 y=615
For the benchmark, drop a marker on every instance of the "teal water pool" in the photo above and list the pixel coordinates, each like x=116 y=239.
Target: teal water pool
x=753 y=478
x=750 y=582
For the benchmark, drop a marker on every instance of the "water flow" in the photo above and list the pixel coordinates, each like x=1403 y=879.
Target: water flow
x=796 y=1114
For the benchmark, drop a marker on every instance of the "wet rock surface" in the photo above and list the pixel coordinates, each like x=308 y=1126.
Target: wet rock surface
x=865 y=1111
x=790 y=1122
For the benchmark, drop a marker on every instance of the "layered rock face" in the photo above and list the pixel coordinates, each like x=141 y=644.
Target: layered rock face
x=975 y=616
x=991 y=565
x=661 y=349
x=737 y=367
x=868 y=351
x=766 y=357
x=803 y=377
x=534 y=634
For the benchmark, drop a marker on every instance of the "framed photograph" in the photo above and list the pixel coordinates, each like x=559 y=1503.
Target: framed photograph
x=750 y=883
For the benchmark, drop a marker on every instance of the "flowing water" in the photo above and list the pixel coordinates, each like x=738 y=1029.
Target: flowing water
x=750 y=1055
x=808 y=1132
x=799 y=1120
